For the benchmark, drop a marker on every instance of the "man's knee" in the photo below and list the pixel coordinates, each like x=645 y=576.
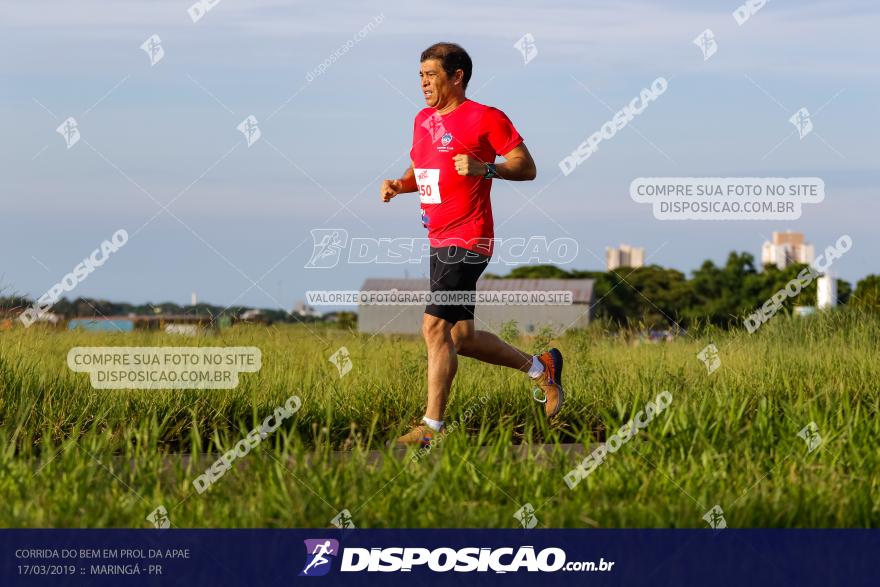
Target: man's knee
x=463 y=335
x=436 y=331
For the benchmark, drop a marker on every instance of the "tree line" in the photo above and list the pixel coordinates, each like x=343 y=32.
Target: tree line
x=659 y=297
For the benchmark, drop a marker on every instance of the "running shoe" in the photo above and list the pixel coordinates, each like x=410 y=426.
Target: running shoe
x=421 y=435
x=550 y=383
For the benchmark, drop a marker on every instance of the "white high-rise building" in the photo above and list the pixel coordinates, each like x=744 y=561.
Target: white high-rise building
x=624 y=256
x=786 y=248
x=826 y=292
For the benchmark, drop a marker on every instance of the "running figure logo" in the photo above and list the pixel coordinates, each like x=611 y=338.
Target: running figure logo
x=342 y=359
x=526 y=516
x=802 y=122
x=327 y=244
x=434 y=125
x=249 y=127
x=69 y=129
x=707 y=44
x=810 y=435
x=526 y=46
x=343 y=520
x=710 y=358
x=153 y=48
x=317 y=551
x=715 y=518
x=159 y=517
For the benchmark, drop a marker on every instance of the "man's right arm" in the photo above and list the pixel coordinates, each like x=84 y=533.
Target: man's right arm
x=406 y=184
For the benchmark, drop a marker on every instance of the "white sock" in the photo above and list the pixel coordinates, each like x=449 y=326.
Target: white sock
x=537 y=368
x=434 y=425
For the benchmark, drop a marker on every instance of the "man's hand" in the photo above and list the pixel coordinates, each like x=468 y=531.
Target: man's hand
x=390 y=188
x=519 y=165
x=467 y=165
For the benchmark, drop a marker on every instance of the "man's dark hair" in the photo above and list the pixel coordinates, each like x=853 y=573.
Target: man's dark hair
x=452 y=57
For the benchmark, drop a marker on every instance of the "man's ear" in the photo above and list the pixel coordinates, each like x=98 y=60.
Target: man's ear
x=458 y=76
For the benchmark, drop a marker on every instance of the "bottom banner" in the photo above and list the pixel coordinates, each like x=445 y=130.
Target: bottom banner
x=426 y=557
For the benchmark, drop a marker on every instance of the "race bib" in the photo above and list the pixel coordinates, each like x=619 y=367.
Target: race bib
x=428 y=181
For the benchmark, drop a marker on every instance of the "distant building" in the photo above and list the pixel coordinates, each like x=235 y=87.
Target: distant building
x=786 y=248
x=50 y=318
x=254 y=316
x=104 y=324
x=11 y=317
x=184 y=329
x=624 y=256
x=826 y=292
x=303 y=310
x=173 y=323
x=407 y=319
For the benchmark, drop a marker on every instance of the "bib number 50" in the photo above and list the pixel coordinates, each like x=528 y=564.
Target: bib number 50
x=428 y=181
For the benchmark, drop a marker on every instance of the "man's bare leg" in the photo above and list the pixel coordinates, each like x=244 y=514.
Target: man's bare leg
x=446 y=341
x=442 y=363
x=485 y=346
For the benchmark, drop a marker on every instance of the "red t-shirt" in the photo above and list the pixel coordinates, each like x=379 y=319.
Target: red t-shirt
x=456 y=209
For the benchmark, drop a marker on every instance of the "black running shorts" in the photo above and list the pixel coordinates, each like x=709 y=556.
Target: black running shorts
x=454 y=269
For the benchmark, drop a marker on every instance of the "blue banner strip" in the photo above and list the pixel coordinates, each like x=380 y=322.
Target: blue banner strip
x=266 y=557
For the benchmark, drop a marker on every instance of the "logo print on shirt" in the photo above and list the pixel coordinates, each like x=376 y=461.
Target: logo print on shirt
x=444 y=147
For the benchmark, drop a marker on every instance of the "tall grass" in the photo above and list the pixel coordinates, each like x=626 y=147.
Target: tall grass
x=71 y=455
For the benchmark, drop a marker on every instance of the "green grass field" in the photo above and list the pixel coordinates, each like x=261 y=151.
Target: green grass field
x=73 y=456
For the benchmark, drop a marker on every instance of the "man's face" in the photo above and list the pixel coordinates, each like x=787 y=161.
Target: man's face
x=437 y=87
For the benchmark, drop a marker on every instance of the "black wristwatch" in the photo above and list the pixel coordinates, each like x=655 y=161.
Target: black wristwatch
x=490 y=171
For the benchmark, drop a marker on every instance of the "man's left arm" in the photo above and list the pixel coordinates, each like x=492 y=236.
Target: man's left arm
x=518 y=165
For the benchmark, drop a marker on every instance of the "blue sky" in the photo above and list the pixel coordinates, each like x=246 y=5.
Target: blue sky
x=243 y=215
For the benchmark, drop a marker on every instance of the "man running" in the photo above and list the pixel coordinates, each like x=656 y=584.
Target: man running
x=455 y=143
